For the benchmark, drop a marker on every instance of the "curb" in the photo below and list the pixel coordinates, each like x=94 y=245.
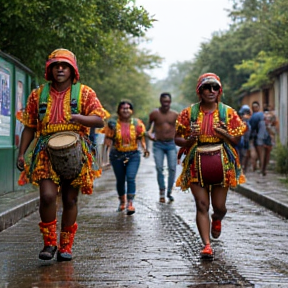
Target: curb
x=13 y=215
x=263 y=200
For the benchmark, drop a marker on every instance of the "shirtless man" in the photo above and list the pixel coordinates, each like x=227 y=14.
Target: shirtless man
x=164 y=120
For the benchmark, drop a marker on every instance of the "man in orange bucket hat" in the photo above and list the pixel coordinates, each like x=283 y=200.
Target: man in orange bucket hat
x=61 y=105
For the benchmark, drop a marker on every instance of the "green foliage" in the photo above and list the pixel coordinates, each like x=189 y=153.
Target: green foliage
x=102 y=34
x=281 y=155
x=219 y=56
x=258 y=69
x=243 y=56
x=31 y=29
x=174 y=84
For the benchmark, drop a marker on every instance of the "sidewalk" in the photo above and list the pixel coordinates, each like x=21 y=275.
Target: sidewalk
x=268 y=191
x=16 y=205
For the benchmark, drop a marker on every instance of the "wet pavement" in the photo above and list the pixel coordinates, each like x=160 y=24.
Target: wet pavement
x=158 y=246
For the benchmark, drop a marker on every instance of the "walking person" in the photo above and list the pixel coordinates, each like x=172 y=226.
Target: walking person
x=164 y=121
x=122 y=138
x=62 y=105
x=209 y=130
x=243 y=146
x=258 y=132
x=269 y=138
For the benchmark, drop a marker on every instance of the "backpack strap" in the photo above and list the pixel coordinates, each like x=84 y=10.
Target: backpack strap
x=222 y=112
x=75 y=98
x=194 y=111
x=221 y=107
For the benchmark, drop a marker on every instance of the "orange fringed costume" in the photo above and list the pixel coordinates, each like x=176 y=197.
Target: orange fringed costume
x=49 y=111
x=233 y=174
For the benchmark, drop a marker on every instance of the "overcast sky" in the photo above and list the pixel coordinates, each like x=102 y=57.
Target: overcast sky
x=181 y=27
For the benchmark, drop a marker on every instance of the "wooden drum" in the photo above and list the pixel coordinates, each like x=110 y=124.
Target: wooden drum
x=210 y=164
x=66 y=154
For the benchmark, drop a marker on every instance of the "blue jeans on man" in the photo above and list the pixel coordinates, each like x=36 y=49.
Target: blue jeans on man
x=160 y=149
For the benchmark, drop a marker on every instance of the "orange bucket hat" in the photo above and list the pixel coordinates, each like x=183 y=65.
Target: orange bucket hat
x=208 y=78
x=61 y=55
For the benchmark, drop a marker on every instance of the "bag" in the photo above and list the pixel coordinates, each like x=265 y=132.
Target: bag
x=210 y=164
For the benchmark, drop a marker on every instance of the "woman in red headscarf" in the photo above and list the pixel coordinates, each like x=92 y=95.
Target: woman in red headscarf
x=207 y=132
x=61 y=105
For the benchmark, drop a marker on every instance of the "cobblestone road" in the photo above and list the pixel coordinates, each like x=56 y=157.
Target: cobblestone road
x=156 y=247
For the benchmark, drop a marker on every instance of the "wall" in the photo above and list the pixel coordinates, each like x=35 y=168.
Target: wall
x=283 y=107
x=15 y=86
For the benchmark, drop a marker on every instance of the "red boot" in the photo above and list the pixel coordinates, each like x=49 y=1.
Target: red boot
x=66 y=242
x=215 y=228
x=50 y=240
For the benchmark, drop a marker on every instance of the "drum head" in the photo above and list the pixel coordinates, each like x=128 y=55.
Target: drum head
x=62 y=140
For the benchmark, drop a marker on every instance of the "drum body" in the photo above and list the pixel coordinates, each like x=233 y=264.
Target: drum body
x=210 y=164
x=66 y=154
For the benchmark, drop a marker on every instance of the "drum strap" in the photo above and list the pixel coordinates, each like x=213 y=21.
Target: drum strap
x=74 y=103
x=221 y=107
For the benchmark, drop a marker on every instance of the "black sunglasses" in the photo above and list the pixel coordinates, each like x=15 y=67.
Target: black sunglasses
x=215 y=87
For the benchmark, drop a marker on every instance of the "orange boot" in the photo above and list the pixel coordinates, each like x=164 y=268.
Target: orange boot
x=50 y=240
x=130 y=209
x=66 y=241
x=122 y=204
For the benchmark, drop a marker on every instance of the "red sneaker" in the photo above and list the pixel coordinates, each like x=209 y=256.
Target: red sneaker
x=216 y=228
x=207 y=252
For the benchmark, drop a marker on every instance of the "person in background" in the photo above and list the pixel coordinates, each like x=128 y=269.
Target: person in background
x=258 y=131
x=164 y=121
x=245 y=113
x=271 y=125
x=122 y=138
x=53 y=108
x=209 y=130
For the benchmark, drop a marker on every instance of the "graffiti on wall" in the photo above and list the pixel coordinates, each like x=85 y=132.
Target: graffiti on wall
x=5 y=101
x=19 y=106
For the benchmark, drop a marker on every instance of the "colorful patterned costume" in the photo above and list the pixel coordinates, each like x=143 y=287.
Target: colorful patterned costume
x=125 y=135
x=125 y=157
x=53 y=116
x=206 y=121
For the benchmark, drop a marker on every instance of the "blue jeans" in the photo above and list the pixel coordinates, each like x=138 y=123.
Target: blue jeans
x=125 y=171
x=160 y=149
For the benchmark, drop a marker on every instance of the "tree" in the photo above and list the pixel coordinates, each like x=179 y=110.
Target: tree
x=30 y=29
x=102 y=34
x=258 y=69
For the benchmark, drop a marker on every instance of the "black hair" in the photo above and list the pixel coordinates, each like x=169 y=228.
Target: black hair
x=122 y=102
x=165 y=94
x=256 y=102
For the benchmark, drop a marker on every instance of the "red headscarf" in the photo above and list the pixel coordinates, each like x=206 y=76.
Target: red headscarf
x=208 y=78
x=61 y=55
